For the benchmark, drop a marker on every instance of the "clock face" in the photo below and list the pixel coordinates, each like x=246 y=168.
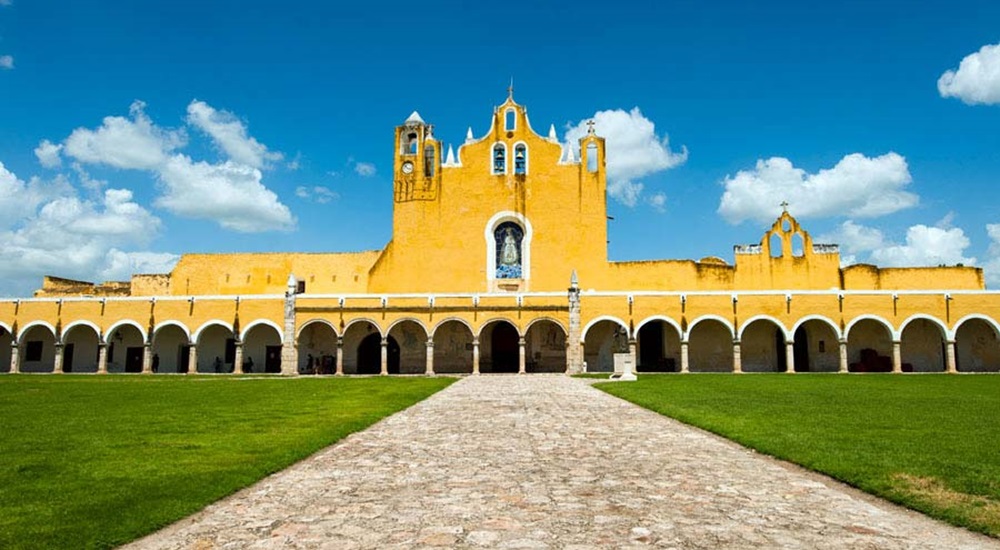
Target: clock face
x=407 y=167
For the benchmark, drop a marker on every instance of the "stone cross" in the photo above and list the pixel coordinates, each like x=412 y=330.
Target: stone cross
x=590 y=126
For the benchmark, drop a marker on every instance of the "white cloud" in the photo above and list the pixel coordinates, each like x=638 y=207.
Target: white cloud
x=48 y=154
x=991 y=268
x=229 y=193
x=977 y=80
x=658 y=201
x=365 y=169
x=230 y=134
x=6 y=62
x=121 y=265
x=924 y=246
x=125 y=142
x=858 y=186
x=634 y=150
x=18 y=200
x=318 y=193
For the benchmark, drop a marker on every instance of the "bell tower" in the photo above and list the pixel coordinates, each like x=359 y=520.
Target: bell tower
x=417 y=167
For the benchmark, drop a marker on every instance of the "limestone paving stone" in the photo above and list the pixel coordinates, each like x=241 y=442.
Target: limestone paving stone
x=538 y=461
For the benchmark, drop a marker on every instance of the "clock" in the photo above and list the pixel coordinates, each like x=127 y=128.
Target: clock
x=407 y=167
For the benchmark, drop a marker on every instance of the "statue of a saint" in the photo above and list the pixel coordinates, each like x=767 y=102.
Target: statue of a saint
x=509 y=255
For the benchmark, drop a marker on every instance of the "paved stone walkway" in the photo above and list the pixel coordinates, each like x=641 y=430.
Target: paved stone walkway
x=548 y=462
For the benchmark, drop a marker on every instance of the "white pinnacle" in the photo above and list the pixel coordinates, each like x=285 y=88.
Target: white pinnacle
x=450 y=159
x=552 y=134
x=468 y=135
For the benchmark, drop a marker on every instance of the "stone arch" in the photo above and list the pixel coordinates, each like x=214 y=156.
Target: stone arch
x=354 y=335
x=216 y=348
x=453 y=342
x=261 y=348
x=710 y=344
x=602 y=338
x=977 y=344
x=658 y=344
x=869 y=344
x=595 y=320
x=922 y=341
x=317 y=345
x=171 y=347
x=817 y=344
x=411 y=337
x=37 y=344
x=126 y=346
x=826 y=320
x=81 y=341
x=762 y=345
x=257 y=322
x=420 y=323
x=499 y=346
x=361 y=320
x=82 y=323
x=127 y=322
x=545 y=346
x=785 y=333
x=197 y=333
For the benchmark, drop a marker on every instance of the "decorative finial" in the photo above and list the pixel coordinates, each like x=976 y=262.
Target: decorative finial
x=552 y=134
x=468 y=136
x=784 y=206
x=574 y=282
x=510 y=89
x=450 y=159
x=590 y=127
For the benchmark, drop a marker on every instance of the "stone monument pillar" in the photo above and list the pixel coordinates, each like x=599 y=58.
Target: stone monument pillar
x=102 y=358
x=340 y=356
x=475 y=355
x=384 y=367
x=685 y=367
x=843 y=356
x=290 y=355
x=238 y=358
x=897 y=357
x=430 y=357
x=147 y=358
x=951 y=365
x=57 y=363
x=574 y=349
x=737 y=357
x=790 y=356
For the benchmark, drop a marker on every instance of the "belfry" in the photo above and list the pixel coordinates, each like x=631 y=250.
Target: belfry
x=498 y=263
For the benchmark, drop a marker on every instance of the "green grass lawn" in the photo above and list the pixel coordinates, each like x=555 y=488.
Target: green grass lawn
x=92 y=462
x=929 y=442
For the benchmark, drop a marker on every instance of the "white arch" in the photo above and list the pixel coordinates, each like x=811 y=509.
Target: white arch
x=462 y=321
x=178 y=324
x=888 y=326
x=527 y=158
x=506 y=159
x=663 y=318
x=497 y=320
x=491 y=255
x=353 y=322
x=945 y=334
x=258 y=322
x=405 y=319
x=833 y=326
x=763 y=317
x=197 y=333
x=6 y=327
x=989 y=321
x=549 y=319
x=24 y=331
x=313 y=322
x=124 y=322
x=82 y=323
x=708 y=317
x=595 y=320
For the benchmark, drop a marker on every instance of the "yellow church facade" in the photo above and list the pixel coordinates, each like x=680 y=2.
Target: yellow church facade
x=498 y=263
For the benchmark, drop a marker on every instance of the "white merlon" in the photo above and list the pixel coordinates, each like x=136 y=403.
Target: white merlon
x=450 y=159
x=415 y=117
x=468 y=136
x=552 y=134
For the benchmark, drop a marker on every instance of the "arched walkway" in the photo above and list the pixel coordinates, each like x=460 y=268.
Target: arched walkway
x=869 y=347
x=5 y=342
x=216 y=350
x=261 y=350
x=370 y=355
x=37 y=349
x=817 y=347
x=368 y=362
x=81 y=349
x=602 y=341
x=171 y=349
x=922 y=347
x=762 y=347
x=412 y=340
x=710 y=347
x=659 y=347
x=499 y=347
x=977 y=347
x=125 y=349
x=453 y=348
x=545 y=347
x=317 y=349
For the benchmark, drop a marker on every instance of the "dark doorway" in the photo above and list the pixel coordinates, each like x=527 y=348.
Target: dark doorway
x=801 y=350
x=504 y=346
x=68 y=358
x=651 y=357
x=781 y=352
x=370 y=355
x=133 y=359
x=272 y=359
x=183 y=358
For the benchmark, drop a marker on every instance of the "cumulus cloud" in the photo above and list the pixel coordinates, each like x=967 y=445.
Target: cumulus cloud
x=924 y=246
x=6 y=62
x=121 y=142
x=18 y=200
x=48 y=154
x=634 y=150
x=318 y=194
x=120 y=265
x=991 y=268
x=977 y=79
x=858 y=186
x=364 y=169
x=230 y=134
x=658 y=201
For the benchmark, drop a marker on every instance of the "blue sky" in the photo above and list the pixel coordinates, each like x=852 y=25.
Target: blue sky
x=133 y=131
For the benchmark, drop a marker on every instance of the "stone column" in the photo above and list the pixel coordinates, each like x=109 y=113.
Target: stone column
x=475 y=356
x=384 y=369
x=897 y=357
x=632 y=354
x=737 y=357
x=685 y=368
x=102 y=358
x=15 y=357
x=949 y=358
x=193 y=359
x=843 y=356
x=574 y=352
x=289 y=353
x=57 y=364
x=790 y=356
x=147 y=358
x=340 y=356
x=520 y=356
x=238 y=358
x=430 y=357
